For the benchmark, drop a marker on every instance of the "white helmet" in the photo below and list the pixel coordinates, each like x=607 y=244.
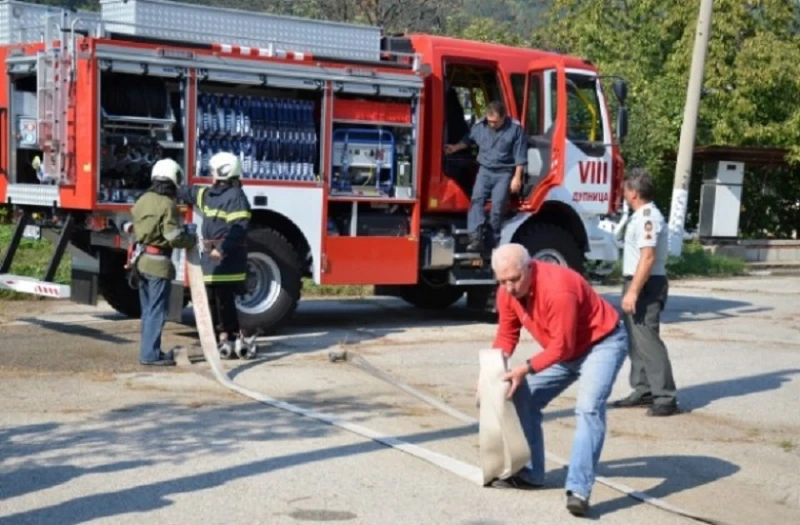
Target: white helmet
x=225 y=166
x=167 y=169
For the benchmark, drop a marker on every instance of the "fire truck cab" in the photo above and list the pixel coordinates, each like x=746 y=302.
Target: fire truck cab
x=341 y=131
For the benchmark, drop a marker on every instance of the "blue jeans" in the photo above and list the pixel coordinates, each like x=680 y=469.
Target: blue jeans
x=596 y=373
x=154 y=298
x=489 y=184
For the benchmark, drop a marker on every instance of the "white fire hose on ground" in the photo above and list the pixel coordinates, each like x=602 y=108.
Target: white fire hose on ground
x=208 y=343
x=503 y=448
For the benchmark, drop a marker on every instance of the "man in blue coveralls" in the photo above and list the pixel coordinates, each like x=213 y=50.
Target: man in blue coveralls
x=502 y=155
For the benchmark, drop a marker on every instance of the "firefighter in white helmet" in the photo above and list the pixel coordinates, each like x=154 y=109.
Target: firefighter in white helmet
x=158 y=230
x=226 y=217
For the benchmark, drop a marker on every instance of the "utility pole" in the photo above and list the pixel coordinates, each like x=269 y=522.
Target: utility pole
x=683 y=167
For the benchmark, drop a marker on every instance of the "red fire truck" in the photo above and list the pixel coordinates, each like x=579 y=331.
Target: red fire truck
x=341 y=131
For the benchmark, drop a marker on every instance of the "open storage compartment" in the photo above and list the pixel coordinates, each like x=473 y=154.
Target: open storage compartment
x=274 y=131
x=372 y=195
x=373 y=148
x=142 y=120
x=22 y=125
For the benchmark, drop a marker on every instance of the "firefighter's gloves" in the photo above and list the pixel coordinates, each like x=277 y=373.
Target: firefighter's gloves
x=191 y=231
x=127 y=227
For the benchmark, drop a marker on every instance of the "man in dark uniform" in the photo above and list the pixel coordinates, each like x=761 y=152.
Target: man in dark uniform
x=502 y=156
x=157 y=227
x=226 y=217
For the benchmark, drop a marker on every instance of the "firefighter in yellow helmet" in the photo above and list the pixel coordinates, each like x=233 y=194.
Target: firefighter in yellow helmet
x=158 y=230
x=226 y=218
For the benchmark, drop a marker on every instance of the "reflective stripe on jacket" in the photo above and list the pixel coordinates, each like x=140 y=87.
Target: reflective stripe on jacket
x=226 y=218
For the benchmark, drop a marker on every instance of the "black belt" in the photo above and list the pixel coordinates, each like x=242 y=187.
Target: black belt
x=630 y=277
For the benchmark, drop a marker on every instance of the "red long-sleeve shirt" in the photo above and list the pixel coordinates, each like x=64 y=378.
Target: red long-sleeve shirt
x=562 y=312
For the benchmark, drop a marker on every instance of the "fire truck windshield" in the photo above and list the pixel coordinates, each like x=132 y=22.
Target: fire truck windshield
x=584 y=114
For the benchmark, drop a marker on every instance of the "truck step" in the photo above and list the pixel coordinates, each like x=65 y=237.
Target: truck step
x=467 y=256
x=466 y=276
x=473 y=282
x=28 y=285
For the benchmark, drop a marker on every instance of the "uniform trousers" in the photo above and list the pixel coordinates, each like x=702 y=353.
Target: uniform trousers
x=651 y=370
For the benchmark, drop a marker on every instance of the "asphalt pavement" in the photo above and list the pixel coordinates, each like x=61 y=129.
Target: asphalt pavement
x=88 y=435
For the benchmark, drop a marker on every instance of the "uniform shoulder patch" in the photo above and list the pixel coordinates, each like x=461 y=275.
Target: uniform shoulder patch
x=648 y=229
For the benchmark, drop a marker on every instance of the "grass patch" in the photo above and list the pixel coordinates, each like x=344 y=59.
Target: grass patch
x=325 y=290
x=695 y=261
x=32 y=258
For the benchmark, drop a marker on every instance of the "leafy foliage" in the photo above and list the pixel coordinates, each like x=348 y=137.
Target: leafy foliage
x=752 y=78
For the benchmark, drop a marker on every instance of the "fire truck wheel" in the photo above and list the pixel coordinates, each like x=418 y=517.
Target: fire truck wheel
x=120 y=296
x=273 y=282
x=551 y=243
x=433 y=292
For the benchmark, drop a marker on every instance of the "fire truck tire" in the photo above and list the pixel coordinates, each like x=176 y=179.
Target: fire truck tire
x=120 y=296
x=273 y=282
x=433 y=292
x=551 y=243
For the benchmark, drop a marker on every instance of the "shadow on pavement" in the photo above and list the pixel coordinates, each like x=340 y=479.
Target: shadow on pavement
x=152 y=434
x=97 y=334
x=33 y=479
x=698 y=396
x=692 y=308
x=678 y=474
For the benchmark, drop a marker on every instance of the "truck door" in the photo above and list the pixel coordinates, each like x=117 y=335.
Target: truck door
x=545 y=132
x=569 y=139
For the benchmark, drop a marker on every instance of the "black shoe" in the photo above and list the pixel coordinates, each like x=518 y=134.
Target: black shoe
x=634 y=400
x=164 y=359
x=514 y=482
x=576 y=505
x=159 y=362
x=663 y=409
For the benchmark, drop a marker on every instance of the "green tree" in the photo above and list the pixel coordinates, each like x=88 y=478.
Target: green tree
x=752 y=73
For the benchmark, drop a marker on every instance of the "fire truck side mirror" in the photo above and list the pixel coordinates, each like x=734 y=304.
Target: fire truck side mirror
x=622 y=123
x=621 y=91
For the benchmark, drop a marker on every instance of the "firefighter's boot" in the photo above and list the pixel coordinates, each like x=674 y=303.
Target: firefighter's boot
x=226 y=350
x=475 y=242
x=246 y=347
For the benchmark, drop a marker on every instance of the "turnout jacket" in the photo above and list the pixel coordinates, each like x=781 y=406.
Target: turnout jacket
x=157 y=224
x=226 y=217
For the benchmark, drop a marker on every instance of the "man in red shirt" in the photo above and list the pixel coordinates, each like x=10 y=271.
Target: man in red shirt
x=582 y=339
